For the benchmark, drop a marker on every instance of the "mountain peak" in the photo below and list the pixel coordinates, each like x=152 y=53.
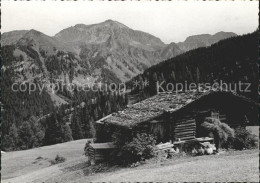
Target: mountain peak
x=112 y=23
x=34 y=32
x=109 y=20
x=80 y=25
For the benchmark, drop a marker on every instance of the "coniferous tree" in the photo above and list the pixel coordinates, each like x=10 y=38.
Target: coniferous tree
x=38 y=131
x=26 y=136
x=76 y=127
x=66 y=133
x=108 y=107
x=53 y=133
x=10 y=141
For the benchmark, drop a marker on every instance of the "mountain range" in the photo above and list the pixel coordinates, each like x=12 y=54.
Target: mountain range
x=108 y=51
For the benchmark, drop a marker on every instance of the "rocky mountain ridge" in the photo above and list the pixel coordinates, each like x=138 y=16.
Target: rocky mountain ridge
x=203 y=40
x=108 y=51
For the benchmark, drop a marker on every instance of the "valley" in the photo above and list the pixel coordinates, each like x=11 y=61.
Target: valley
x=129 y=91
x=107 y=52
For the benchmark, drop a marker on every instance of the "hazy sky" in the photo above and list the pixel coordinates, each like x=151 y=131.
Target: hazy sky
x=172 y=21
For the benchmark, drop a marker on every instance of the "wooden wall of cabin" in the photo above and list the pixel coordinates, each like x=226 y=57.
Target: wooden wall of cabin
x=159 y=127
x=98 y=155
x=186 y=125
x=184 y=128
x=168 y=128
x=111 y=133
x=161 y=130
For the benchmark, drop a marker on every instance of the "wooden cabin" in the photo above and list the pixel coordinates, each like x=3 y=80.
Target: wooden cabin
x=177 y=117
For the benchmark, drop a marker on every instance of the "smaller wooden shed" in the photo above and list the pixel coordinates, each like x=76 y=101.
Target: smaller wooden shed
x=100 y=151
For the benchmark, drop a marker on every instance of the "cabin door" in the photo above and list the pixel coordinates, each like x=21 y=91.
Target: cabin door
x=200 y=118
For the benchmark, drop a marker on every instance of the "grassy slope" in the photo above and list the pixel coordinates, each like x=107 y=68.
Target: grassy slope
x=230 y=166
x=22 y=166
x=17 y=163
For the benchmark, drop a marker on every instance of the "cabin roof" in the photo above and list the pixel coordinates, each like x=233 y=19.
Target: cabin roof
x=157 y=105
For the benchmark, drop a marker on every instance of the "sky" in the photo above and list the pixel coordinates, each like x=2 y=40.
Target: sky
x=171 y=21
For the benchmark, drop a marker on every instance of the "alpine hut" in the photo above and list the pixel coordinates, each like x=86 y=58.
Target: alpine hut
x=177 y=116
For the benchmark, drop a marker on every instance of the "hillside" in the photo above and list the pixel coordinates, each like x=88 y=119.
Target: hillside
x=232 y=60
x=33 y=166
x=228 y=167
x=18 y=163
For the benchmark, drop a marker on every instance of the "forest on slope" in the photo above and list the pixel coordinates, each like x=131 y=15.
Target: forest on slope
x=231 y=61
x=31 y=120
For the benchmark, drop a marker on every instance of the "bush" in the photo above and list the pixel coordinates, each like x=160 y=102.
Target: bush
x=244 y=139
x=39 y=158
x=140 y=148
x=58 y=159
x=221 y=131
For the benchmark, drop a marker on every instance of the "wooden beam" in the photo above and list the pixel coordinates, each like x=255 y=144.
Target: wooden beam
x=184 y=130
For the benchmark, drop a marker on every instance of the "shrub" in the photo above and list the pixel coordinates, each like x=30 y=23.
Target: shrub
x=244 y=139
x=58 y=159
x=140 y=148
x=131 y=145
x=222 y=132
x=39 y=158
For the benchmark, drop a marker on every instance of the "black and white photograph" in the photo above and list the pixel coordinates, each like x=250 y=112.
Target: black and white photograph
x=129 y=91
